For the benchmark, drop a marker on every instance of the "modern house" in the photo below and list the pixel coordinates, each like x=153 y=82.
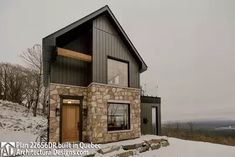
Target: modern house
x=93 y=71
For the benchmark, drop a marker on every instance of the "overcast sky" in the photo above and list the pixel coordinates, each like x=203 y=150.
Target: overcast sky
x=188 y=45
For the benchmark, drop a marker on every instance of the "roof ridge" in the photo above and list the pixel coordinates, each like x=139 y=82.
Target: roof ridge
x=106 y=7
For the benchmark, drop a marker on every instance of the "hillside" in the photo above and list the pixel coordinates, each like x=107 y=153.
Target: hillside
x=15 y=119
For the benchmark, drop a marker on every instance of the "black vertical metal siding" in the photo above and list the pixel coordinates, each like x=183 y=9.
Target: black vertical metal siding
x=71 y=71
x=106 y=42
x=146 y=113
x=147 y=102
x=48 y=48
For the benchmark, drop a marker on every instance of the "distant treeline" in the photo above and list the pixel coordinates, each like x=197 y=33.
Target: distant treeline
x=200 y=125
x=198 y=131
x=23 y=84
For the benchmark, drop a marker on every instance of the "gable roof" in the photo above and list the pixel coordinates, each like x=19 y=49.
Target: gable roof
x=104 y=10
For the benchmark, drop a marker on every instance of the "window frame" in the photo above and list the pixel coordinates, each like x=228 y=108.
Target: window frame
x=119 y=60
x=129 y=116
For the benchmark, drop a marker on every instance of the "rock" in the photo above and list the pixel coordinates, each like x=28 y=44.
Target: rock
x=108 y=149
x=132 y=146
x=93 y=89
x=155 y=146
x=106 y=97
x=164 y=142
x=102 y=89
x=154 y=143
x=143 y=148
x=30 y=126
x=119 y=89
x=128 y=147
x=113 y=90
x=90 y=155
x=139 y=145
x=126 y=154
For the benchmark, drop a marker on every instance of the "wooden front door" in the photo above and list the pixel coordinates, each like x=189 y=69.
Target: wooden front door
x=70 y=122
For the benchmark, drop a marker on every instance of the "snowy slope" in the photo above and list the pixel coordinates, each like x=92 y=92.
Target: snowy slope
x=16 y=118
x=16 y=136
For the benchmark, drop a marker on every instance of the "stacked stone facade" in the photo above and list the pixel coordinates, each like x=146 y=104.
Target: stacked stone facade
x=56 y=90
x=95 y=99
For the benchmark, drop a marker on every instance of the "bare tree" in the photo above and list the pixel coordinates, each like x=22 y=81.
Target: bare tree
x=191 y=125
x=12 y=82
x=45 y=97
x=33 y=58
x=30 y=90
x=177 y=125
x=1 y=84
x=4 y=73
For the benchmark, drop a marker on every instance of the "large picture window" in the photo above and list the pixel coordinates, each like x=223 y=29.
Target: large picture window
x=118 y=116
x=117 y=72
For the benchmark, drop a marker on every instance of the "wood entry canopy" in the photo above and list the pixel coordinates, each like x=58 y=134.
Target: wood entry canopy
x=73 y=54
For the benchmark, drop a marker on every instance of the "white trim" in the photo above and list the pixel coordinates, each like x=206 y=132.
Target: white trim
x=111 y=85
x=66 y=85
x=119 y=101
x=119 y=131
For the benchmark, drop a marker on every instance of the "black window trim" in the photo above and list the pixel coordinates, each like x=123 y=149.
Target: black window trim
x=129 y=116
x=120 y=60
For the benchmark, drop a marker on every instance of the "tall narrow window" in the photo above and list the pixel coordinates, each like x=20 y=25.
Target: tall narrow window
x=118 y=116
x=117 y=72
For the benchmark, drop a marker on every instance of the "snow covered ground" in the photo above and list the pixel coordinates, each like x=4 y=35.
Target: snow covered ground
x=184 y=148
x=14 y=117
x=16 y=136
x=177 y=147
x=180 y=148
x=17 y=125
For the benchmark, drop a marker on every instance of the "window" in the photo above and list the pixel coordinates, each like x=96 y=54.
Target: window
x=118 y=116
x=117 y=72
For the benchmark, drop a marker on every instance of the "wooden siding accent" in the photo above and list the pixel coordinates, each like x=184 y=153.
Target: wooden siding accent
x=74 y=54
x=107 y=43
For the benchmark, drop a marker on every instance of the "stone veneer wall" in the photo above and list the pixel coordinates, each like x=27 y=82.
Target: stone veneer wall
x=55 y=91
x=96 y=97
